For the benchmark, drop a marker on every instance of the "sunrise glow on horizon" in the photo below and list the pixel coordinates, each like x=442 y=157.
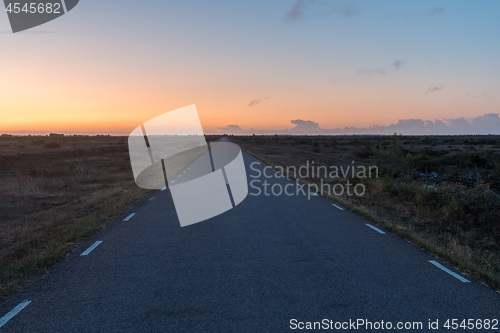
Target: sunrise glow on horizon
x=106 y=67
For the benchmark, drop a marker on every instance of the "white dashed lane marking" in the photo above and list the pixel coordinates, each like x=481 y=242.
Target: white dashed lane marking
x=90 y=249
x=129 y=217
x=338 y=207
x=375 y=228
x=455 y=275
x=13 y=312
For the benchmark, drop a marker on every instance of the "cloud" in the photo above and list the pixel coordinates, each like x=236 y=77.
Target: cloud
x=297 y=10
x=486 y=124
x=257 y=101
x=437 y=11
x=489 y=122
x=432 y=90
x=458 y=123
x=305 y=126
x=231 y=129
x=397 y=64
x=324 y=9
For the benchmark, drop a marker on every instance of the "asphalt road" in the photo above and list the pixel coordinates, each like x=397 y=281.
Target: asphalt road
x=269 y=260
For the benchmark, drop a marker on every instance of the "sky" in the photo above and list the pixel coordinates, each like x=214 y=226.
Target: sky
x=330 y=66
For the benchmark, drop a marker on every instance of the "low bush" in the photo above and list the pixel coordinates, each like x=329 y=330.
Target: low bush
x=52 y=145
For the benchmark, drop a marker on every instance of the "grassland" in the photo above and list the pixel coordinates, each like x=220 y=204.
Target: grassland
x=441 y=192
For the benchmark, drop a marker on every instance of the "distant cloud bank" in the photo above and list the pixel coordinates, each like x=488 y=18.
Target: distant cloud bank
x=304 y=126
x=485 y=124
x=230 y=128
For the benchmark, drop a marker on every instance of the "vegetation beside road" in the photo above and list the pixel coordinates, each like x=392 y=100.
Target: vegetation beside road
x=439 y=192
